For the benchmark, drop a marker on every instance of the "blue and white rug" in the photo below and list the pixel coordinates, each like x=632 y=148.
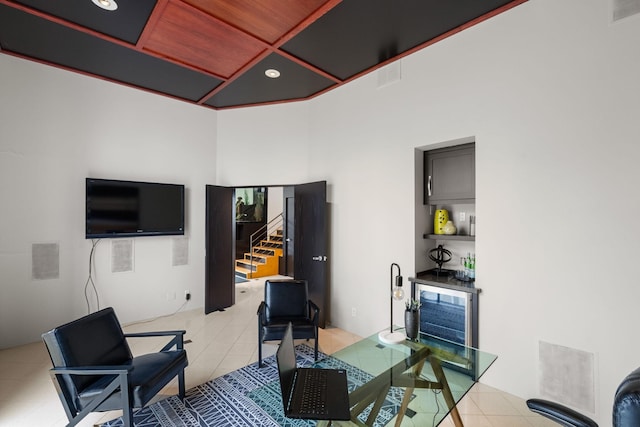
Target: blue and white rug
x=249 y=397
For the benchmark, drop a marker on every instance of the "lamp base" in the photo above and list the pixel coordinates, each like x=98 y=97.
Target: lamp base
x=388 y=337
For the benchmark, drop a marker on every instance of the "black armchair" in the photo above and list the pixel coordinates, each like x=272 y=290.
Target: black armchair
x=626 y=407
x=94 y=370
x=286 y=301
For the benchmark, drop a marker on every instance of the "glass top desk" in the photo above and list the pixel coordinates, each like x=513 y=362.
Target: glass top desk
x=431 y=376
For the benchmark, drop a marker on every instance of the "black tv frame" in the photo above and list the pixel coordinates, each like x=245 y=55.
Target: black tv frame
x=122 y=232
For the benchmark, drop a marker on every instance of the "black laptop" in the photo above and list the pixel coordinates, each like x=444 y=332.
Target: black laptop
x=310 y=393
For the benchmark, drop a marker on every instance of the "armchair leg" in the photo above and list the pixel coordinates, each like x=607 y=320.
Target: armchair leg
x=259 y=342
x=181 y=385
x=127 y=417
x=316 y=347
x=127 y=410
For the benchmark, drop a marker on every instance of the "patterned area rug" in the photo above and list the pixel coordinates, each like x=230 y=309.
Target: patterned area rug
x=249 y=397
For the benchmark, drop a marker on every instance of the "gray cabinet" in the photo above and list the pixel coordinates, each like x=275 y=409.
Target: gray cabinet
x=450 y=175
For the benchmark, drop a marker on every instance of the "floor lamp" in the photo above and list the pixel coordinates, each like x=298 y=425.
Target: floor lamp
x=397 y=294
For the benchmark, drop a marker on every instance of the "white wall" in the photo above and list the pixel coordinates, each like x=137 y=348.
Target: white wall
x=263 y=145
x=56 y=129
x=549 y=91
x=275 y=202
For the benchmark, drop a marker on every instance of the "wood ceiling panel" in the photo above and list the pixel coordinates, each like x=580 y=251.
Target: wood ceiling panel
x=190 y=36
x=266 y=20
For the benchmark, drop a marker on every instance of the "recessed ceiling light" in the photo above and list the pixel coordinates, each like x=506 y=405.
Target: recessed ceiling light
x=106 y=4
x=272 y=73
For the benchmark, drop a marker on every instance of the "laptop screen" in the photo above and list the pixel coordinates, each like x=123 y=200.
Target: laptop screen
x=286 y=357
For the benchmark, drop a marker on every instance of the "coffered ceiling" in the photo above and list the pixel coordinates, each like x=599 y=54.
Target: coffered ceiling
x=215 y=53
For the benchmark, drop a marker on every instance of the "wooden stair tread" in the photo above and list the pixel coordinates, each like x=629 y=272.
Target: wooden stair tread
x=266 y=255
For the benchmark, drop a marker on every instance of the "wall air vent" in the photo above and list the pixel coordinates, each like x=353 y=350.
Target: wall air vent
x=624 y=8
x=567 y=375
x=389 y=74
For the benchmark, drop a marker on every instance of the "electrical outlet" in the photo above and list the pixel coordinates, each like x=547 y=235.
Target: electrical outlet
x=354 y=312
x=463 y=216
x=187 y=295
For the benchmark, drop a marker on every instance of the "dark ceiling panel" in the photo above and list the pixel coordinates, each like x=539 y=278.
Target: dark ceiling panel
x=126 y=23
x=214 y=52
x=359 y=34
x=261 y=19
x=38 y=38
x=195 y=38
x=253 y=87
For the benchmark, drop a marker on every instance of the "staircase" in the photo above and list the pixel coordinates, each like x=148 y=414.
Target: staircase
x=266 y=250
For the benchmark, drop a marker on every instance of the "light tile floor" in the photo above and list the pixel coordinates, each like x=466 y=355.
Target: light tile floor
x=219 y=343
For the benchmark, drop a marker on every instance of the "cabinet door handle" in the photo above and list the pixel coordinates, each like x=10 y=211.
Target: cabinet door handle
x=429 y=186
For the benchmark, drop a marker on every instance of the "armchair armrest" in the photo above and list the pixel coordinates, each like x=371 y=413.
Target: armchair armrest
x=261 y=313
x=119 y=375
x=156 y=334
x=560 y=413
x=313 y=307
x=92 y=370
x=177 y=341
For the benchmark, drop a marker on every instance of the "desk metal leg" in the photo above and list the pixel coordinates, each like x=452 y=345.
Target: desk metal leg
x=446 y=391
x=408 y=391
x=340 y=424
x=334 y=424
x=382 y=395
x=405 y=404
x=376 y=390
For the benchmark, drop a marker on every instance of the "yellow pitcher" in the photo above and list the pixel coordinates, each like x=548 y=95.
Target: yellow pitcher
x=439 y=220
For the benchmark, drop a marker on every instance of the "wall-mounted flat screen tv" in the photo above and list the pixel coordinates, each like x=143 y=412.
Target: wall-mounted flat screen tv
x=130 y=209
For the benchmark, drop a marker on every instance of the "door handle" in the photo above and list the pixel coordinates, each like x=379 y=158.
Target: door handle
x=429 y=186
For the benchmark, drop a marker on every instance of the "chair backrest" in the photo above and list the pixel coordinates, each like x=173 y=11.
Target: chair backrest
x=93 y=340
x=286 y=299
x=626 y=405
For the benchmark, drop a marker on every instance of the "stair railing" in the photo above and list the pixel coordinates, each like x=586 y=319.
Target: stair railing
x=263 y=233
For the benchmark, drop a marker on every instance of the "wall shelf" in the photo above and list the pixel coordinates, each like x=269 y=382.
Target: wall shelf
x=449 y=237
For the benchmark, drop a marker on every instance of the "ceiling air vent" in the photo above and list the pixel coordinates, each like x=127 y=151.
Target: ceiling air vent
x=625 y=8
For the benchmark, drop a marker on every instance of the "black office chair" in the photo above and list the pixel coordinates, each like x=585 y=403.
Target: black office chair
x=94 y=370
x=286 y=301
x=626 y=407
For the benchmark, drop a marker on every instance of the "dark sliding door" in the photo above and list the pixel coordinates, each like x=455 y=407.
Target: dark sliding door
x=219 y=292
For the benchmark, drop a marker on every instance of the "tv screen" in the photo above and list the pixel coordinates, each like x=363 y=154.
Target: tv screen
x=129 y=208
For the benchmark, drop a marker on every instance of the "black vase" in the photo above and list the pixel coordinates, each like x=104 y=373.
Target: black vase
x=412 y=323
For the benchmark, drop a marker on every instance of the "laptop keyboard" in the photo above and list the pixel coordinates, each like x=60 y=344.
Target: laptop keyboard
x=314 y=394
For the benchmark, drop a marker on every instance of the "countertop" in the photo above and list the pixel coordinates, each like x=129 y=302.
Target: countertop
x=448 y=283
